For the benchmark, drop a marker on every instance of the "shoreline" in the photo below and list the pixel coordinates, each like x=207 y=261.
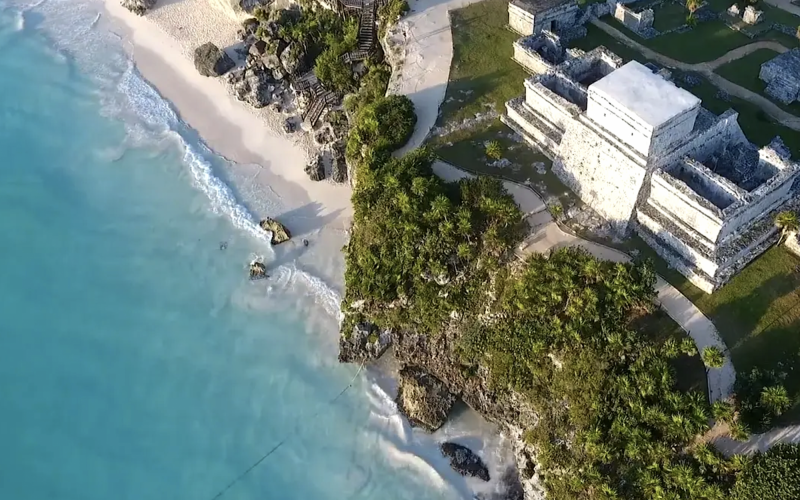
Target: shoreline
x=231 y=128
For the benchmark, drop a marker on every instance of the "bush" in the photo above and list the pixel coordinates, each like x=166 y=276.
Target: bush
x=383 y=126
x=373 y=87
x=332 y=71
x=774 y=475
x=494 y=151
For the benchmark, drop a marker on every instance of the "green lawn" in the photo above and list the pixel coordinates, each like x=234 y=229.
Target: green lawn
x=744 y=72
x=482 y=73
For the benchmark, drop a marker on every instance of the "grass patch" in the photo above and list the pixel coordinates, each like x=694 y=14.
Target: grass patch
x=669 y=16
x=482 y=74
x=744 y=72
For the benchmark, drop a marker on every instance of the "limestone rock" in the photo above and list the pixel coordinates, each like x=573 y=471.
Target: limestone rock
x=258 y=270
x=279 y=232
x=316 y=169
x=138 y=7
x=465 y=461
x=338 y=162
x=254 y=88
x=211 y=61
x=365 y=343
x=289 y=125
x=250 y=6
x=250 y=26
x=423 y=399
x=293 y=58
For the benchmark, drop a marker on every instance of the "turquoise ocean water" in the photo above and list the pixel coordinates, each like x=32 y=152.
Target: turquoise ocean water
x=136 y=361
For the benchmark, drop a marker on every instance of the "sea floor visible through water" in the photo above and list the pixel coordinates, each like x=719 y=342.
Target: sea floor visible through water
x=136 y=358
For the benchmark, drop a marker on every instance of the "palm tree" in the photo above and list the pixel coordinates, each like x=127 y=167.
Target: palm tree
x=775 y=399
x=713 y=358
x=787 y=221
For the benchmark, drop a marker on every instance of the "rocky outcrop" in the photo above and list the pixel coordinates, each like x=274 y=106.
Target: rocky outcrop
x=316 y=168
x=138 y=7
x=364 y=344
x=279 y=232
x=293 y=59
x=465 y=461
x=423 y=399
x=254 y=87
x=338 y=162
x=210 y=60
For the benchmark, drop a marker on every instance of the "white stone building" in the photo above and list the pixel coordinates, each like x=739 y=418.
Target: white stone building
x=646 y=156
x=529 y=17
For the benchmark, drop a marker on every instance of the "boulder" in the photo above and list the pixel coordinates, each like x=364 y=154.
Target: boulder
x=289 y=125
x=365 y=343
x=338 y=162
x=279 y=232
x=293 y=58
x=316 y=169
x=324 y=136
x=250 y=26
x=138 y=7
x=465 y=461
x=423 y=399
x=258 y=49
x=258 y=270
x=211 y=61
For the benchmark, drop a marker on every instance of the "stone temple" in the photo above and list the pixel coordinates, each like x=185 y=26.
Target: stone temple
x=646 y=156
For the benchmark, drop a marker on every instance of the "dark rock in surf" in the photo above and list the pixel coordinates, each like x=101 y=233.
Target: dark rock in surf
x=465 y=461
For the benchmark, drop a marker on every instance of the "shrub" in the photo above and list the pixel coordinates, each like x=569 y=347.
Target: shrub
x=332 y=71
x=494 y=151
x=774 y=475
x=383 y=126
x=762 y=397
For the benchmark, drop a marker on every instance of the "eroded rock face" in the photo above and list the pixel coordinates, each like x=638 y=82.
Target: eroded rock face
x=365 y=343
x=338 y=162
x=250 y=5
x=316 y=169
x=279 y=232
x=210 y=60
x=257 y=270
x=138 y=7
x=465 y=461
x=293 y=58
x=423 y=399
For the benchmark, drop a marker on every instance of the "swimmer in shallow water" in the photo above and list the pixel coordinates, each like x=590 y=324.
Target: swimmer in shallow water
x=305 y=243
x=223 y=245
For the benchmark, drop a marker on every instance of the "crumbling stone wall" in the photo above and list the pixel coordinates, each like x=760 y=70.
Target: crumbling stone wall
x=782 y=75
x=539 y=53
x=634 y=21
x=523 y=18
x=552 y=106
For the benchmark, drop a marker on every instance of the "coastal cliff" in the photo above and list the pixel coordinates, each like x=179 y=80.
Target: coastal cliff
x=554 y=348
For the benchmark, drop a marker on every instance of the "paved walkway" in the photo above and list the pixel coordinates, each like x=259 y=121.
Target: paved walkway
x=707 y=69
x=548 y=235
x=786 y=5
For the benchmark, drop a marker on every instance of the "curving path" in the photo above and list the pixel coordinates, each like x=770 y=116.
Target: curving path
x=707 y=69
x=548 y=235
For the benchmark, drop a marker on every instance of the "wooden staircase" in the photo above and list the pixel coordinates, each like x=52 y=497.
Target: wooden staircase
x=322 y=98
x=366 y=27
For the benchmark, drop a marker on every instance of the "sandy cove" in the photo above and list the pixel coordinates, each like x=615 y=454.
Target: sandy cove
x=161 y=43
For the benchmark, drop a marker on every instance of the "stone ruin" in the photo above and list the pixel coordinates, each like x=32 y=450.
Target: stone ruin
x=638 y=22
x=646 y=156
x=530 y=17
x=782 y=76
x=751 y=15
x=540 y=52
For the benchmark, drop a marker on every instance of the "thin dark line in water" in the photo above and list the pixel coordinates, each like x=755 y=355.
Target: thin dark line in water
x=283 y=441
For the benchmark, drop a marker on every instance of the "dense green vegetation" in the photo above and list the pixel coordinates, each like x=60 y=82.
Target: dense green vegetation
x=415 y=233
x=382 y=126
x=774 y=475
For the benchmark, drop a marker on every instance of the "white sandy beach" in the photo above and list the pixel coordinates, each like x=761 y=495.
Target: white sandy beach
x=162 y=43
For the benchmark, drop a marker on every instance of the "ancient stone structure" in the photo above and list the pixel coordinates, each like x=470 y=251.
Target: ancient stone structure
x=751 y=15
x=539 y=53
x=782 y=76
x=734 y=11
x=638 y=22
x=646 y=156
x=529 y=17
